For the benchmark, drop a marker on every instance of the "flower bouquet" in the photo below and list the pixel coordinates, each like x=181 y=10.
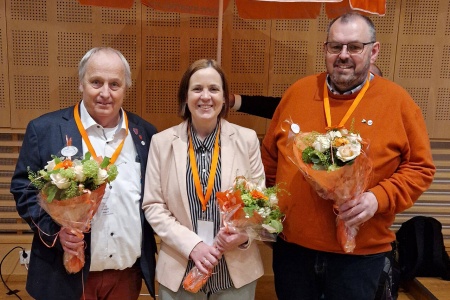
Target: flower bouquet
x=245 y=207
x=336 y=165
x=70 y=191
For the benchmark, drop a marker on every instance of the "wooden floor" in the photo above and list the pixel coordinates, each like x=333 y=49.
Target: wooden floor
x=429 y=288
x=264 y=291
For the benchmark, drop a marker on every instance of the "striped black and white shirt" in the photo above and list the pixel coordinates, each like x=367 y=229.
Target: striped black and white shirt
x=220 y=279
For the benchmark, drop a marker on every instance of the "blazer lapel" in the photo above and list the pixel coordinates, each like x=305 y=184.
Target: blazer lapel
x=227 y=153
x=180 y=148
x=69 y=129
x=140 y=143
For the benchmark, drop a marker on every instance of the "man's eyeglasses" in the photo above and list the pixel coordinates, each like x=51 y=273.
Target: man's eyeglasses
x=352 y=48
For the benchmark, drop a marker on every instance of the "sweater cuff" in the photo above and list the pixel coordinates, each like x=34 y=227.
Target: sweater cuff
x=382 y=198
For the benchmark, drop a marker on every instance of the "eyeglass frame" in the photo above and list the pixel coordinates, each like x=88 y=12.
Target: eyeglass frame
x=346 y=45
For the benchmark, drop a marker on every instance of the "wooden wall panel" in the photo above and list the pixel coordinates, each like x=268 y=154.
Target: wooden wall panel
x=42 y=42
x=422 y=60
x=5 y=118
x=166 y=50
x=46 y=41
x=246 y=61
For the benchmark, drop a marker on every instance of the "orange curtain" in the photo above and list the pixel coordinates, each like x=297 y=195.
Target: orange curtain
x=370 y=6
x=365 y=7
x=251 y=9
x=108 y=3
x=200 y=7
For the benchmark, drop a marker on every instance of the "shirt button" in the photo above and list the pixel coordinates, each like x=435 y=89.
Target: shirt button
x=110 y=256
x=203 y=170
x=112 y=233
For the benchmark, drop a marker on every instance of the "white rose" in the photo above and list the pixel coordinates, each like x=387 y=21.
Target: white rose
x=354 y=138
x=273 y=199
x=348 y=152
x=102 y=175
x=79 y=175
x=321 y=144
x=60 y=181
x=50 y=165
x=334 y=134
x=343 y=131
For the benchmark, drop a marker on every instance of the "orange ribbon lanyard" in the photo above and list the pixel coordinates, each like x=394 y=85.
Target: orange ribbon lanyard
x=88 y=142
x=212 y=172
x=326 y=104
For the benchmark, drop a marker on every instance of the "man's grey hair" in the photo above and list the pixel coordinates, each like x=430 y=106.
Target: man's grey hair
x=346 y=18
x=88 y=55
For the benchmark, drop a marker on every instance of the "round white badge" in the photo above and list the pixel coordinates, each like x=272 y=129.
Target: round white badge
x=69 y=151
x=295 y=128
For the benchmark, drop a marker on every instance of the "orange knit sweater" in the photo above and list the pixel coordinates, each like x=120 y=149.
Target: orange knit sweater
x=399 y=149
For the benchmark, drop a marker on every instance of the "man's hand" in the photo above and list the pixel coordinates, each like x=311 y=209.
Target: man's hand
x=359 y=210
x=71 y=240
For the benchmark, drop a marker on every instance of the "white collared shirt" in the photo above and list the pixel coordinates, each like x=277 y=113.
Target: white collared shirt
x=116 y=233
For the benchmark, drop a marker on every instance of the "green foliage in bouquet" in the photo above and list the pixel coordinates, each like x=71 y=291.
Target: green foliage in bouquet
x=63 y=178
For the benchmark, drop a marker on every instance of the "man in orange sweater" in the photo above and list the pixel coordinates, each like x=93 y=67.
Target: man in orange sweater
x=308 y=261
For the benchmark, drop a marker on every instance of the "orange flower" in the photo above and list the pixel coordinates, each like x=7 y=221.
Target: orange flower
x=64 y=164
x=258 y=195
x=340 y=142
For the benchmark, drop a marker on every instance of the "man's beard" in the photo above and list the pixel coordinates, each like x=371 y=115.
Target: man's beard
x=342 y=82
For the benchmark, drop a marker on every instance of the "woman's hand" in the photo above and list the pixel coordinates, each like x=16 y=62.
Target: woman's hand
x=205 y=257
x=229 y=239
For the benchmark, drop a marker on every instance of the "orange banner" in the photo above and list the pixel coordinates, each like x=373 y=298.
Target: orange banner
x=365 y=7
x=251 y=9
x=199 y=7
x=370 y=6
x=108 y=3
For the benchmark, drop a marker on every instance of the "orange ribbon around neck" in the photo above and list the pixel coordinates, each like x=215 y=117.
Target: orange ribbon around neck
x=212 y=172
x=88 y=142
x=326 y=105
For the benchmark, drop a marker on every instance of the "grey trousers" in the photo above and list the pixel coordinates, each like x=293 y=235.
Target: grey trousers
x=247 y=292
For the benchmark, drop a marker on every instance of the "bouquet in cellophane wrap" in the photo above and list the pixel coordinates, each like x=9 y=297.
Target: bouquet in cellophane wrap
x=70 y=191
x=246 y=206
x=336 y=165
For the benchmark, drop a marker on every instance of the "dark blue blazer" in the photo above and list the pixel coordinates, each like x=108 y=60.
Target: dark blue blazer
x=44 y=136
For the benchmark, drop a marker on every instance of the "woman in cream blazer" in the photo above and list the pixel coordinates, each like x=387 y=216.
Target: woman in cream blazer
x=166 y=202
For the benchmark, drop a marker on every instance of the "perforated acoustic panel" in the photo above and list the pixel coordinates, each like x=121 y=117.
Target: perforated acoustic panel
x=43 y=41
x=421 y=63
x=47 y=40
x=245 y=59
x=5 y=118
x=171 y=42
x=387 y=31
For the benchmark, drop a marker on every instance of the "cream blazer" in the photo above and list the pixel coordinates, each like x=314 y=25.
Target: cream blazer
x=166 y=205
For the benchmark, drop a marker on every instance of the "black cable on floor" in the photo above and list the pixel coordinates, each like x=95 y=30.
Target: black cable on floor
x=10 y=292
